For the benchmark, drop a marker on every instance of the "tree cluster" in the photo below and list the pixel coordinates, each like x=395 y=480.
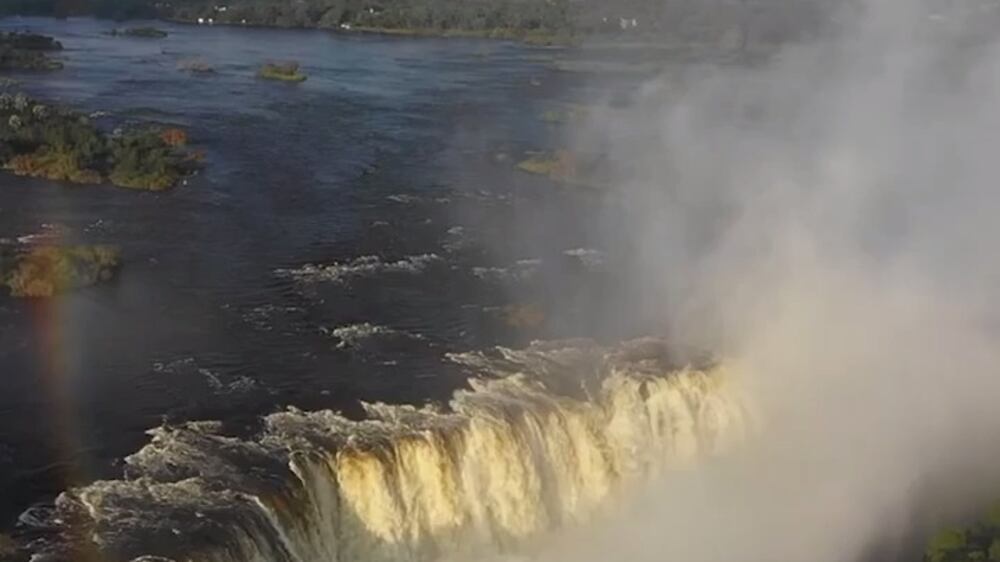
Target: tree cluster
x=46 y=271
x=44 y=141
x=439 y=15
x=759 y=20
x=979 y=542
x=27 y=51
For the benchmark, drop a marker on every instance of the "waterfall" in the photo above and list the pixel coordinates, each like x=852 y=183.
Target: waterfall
x=543 y=438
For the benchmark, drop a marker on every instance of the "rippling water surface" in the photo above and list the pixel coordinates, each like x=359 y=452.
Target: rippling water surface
x=345 y=234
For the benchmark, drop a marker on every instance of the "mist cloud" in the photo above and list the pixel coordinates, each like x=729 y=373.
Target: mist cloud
x=826 y=222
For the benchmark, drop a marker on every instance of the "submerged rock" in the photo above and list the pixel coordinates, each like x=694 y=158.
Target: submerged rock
x=142 y=32
x=566 y=114
x=195 y=66
x=565 y=166
x=979 y=541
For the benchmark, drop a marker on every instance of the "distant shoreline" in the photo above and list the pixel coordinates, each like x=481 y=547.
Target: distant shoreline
x=526 y=36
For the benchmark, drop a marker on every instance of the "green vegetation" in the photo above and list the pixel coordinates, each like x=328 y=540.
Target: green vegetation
x=111 y=9
x=30 y=42
x=524 y=316
x=284 y=71
x=142 y=160
x=46 y=271
x=142 y=32
x=38 y=140
x=739 y=24
x=568 y=114
x=496 y=18
x=195 y=66
x=566 y=167
x=980 y=542
x=561 y=166
x=27 y=51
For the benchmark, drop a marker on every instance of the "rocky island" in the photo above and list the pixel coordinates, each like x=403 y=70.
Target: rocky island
x=140 y=32
x=40 y=140
x=738 y=24
x=195 y=66
x=28 y=51
x=282 y=71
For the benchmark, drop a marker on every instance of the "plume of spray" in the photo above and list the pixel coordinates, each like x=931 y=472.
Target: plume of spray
x=826 y=222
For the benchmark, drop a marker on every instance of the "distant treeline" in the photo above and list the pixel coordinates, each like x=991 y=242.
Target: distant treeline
x=472 y=15
x=416 y=14
x=701 y=18
x=112 y=9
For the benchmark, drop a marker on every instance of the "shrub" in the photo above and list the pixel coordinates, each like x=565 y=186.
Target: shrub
x=174 y=136
x=142 y=32
x=195 y=66
x=22 y=59
x=560 y=165
x=46 y=271
x=993 y=554
x=53 y=164
x=944 y=545
x=285 y=71
x=143 y=160
x=567 y=114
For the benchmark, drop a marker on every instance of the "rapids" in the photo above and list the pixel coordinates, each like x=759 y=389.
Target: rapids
x=543 y=438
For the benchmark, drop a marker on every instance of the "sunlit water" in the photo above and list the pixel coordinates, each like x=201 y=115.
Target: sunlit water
x=393 y=148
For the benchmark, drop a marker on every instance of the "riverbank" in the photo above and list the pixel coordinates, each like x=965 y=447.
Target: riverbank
x=528 y=37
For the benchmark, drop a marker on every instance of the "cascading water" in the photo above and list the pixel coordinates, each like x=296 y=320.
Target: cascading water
x=542 y=439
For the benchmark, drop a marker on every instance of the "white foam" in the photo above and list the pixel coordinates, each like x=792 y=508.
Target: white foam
x=365 y=266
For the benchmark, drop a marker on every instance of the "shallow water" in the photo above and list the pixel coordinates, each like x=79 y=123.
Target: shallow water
x=388 y=150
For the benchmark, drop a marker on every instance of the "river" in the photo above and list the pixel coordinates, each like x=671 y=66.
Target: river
x=392 y=167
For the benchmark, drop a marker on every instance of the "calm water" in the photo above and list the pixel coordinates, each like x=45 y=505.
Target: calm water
x=393 y=148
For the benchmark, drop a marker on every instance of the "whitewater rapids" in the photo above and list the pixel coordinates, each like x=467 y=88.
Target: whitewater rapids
x=543 y=438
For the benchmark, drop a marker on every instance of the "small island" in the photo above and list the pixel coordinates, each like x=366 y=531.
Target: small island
x=195 y=66
x=28 y=51
x=283 y=71
x=40 y=140
x=140 y=32
x=566 y=167
x=560 y=165
x=571 y=113
x=47 y=271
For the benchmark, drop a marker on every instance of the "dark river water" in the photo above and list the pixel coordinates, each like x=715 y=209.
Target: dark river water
x=394 y=163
